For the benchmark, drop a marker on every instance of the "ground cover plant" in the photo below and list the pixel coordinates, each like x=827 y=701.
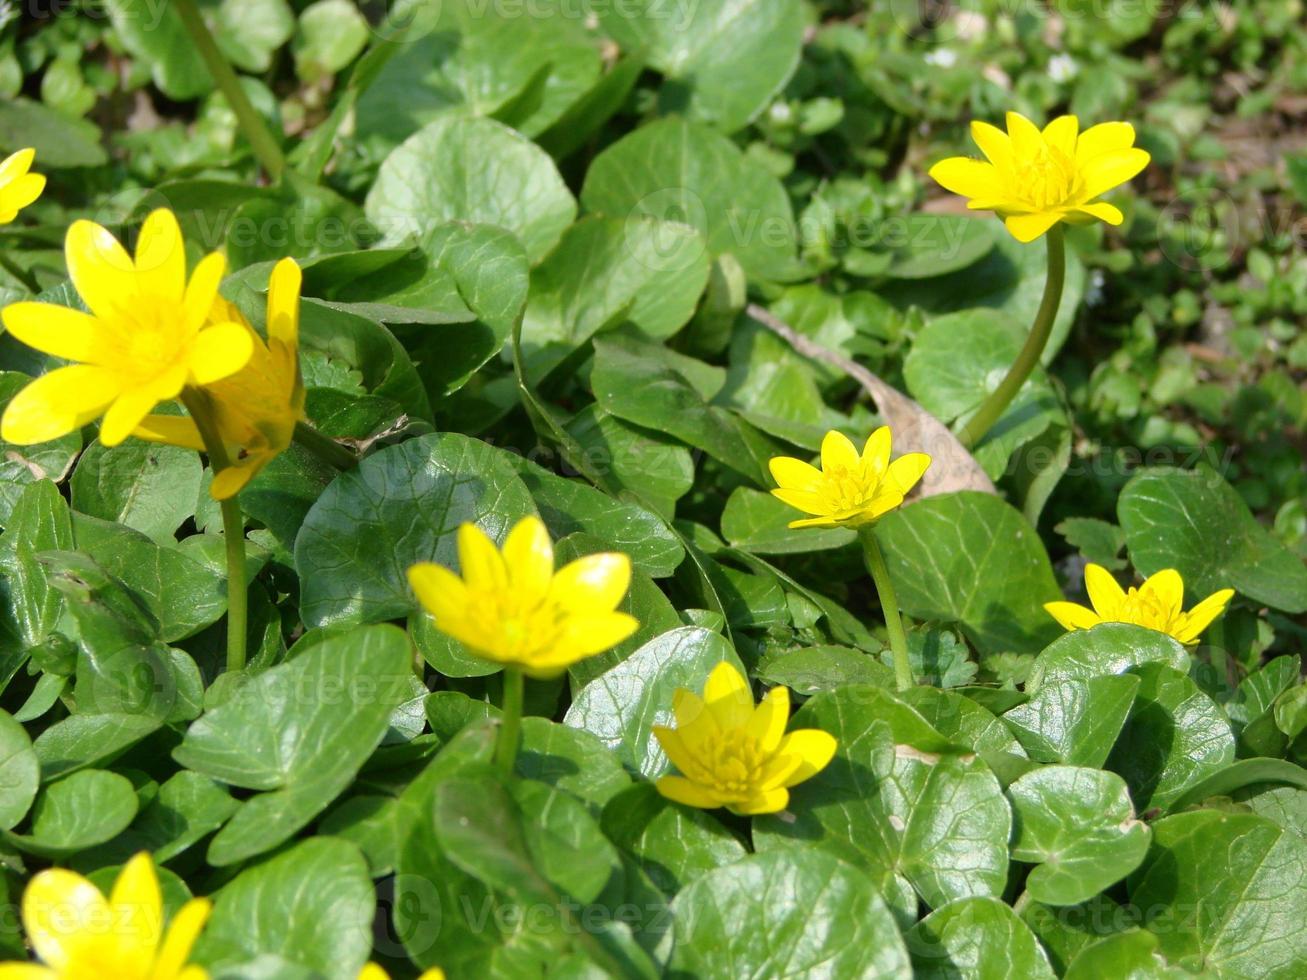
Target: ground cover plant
x=690 y=488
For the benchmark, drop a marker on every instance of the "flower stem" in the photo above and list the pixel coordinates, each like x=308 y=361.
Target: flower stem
x=324 y=447
x=992 y=409
x=233 y=529
x=262 y=142
x=511 y=725
x=889 y=604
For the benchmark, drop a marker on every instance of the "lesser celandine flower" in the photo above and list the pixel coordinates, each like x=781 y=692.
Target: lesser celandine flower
x=1034 y=178
x=735 y=755
x=1157 y=604
x=78 y=934
x=18 y=186
x=256 y=409
x=146 y=338
x=851 y=489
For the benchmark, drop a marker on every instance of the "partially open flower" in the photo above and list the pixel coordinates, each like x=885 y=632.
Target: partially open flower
x=733 y=754
x=1157 y=604
x=1034 y=178
x=18 y=187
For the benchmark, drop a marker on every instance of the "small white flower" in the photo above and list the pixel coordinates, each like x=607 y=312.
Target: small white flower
x=942 y=58
x=1062 y=68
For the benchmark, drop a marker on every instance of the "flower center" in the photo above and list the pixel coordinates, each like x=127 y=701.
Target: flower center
x=1145 y=609
x=521 y=630
x=1046 y=180
x=154 y=341
x=848 y=488
x=732 y=762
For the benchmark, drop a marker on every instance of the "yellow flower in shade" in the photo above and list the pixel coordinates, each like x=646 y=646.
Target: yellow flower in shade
x=257 y=407
x=513 y=608
x=147 y=336
x=1035 y=178
x=849 y=490
x=733 y=754
x=78 y=935
x=373 y=972
x=18 y=187
x=1156 y=604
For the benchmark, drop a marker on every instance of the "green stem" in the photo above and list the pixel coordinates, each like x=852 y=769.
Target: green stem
x=324 y=447
x=262 y=142
x=889 y=604
x=996 y=404
x=511 y=724
x=233 y=529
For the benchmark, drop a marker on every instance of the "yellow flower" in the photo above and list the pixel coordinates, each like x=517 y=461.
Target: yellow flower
x=147 y=335
x=373 y=972
x=257 y=407
x=849 y=490
x=1035 y=179
x=78 y=935
x=733 y=754
x=1156 y=604
x=514 y=609
x=18 y=188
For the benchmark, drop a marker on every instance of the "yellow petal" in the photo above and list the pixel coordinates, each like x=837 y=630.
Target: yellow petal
x=813 y=746
x=814 y=522
x=589 y=634
x=680 y=753
x=55 y=330
x=1026 y=138
x=1027 y=227
x=479 y=560
x=62 y=913
x=970 y=178
x=529 y=557
x=284 y=302
x=727 y=696
x=1104 y=138
x=182 y=933
x=16 y=164
x=805 y=500
x=1061 y=133
x=882 y=504
x=202 y=291
x=435 y=973
x=137 y=904
x=767 y=724
x=26 y=971
x=690 y=711
x=905 y=471
x=161 y=258
x=1201 y=616
x=236 y=477
x=876 y=451
x=58 y=403
x=131 y=407
x=794 y=474
x=1105 y=593
x=100 y=268
x=837 y=451
x=592 y=583
x=371 y=971
x=172 y=430
x=219 y=352
x=1072 y=616
x=767 y=801
x=23 y=191
x=1102 y=211
x=193 y=973
x=1108 y=170
x=1167 y=587
x=993 y=142
x=441 y=592
x=678 y=789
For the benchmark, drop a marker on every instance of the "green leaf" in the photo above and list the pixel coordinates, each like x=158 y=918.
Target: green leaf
x=971 y=559
x=643 y=462
x=978 y=938
x=888 y=796
x=937 y=658
x=1097 y=541
x=21 y=466
x=1196 y=523
x=59 y=140
x=40 y=522
x=77 y=812
x=1131 y=954
x=249 y=31
x=758 y=522
x=622 y=705
x=1237 y=776
x=786 y=913
x=1228 y=891
x=311 y=905
x=20 y=773
x=400 y=506
x=964 y=722
x=1079 y=827
x=607 y=270
x=1175 y=737
x=674 y=844
x=1074 y=721
x=440 y=174
x=809 y=670
x=330 y=34
x=677 y=170
x=337 y=698
x=928 y=245
x=1108 y=648
x=571 y=760
x=187 y=809
x=147 y=487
